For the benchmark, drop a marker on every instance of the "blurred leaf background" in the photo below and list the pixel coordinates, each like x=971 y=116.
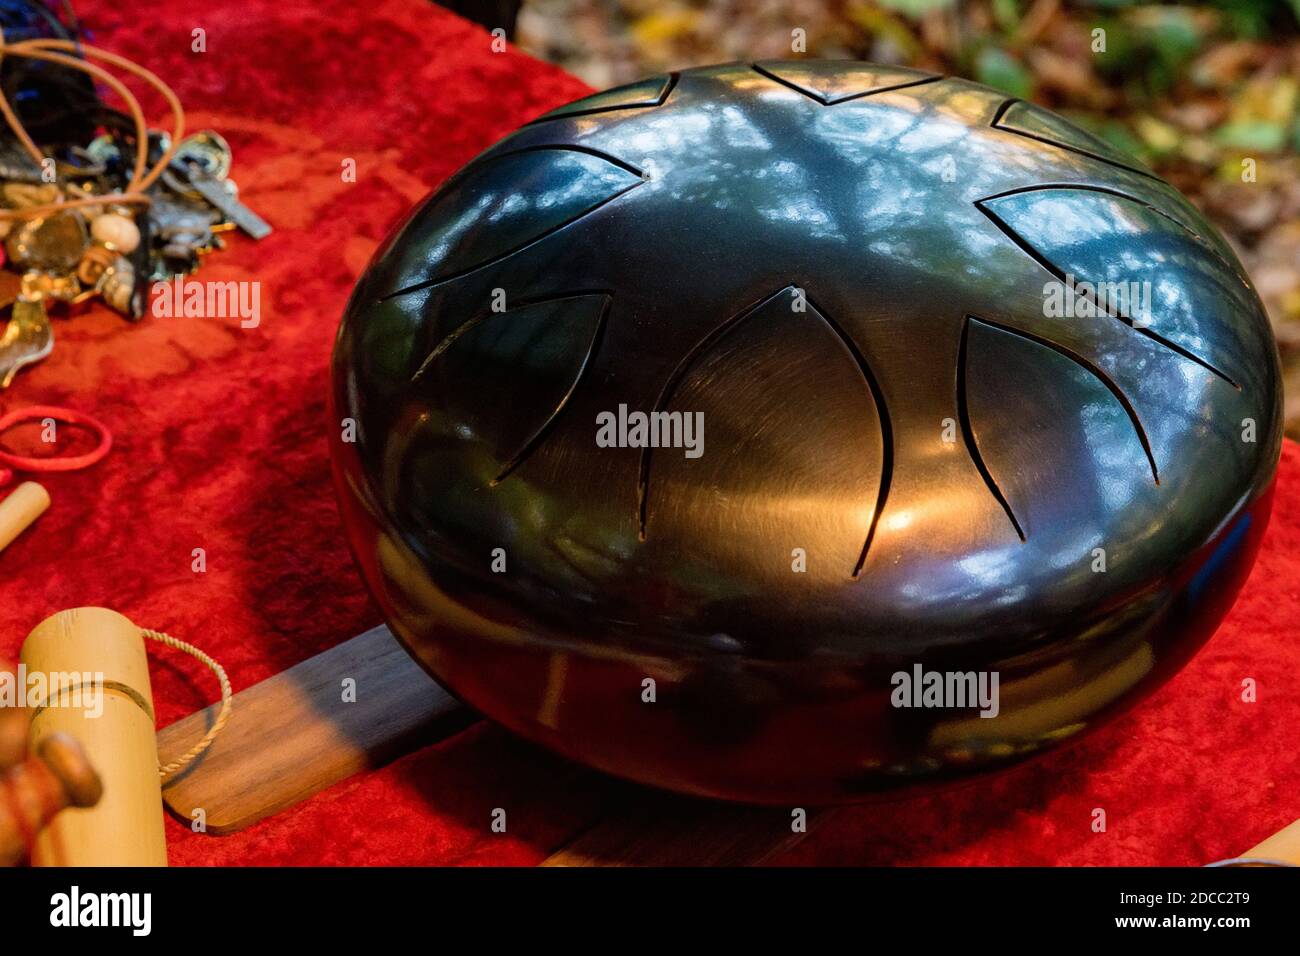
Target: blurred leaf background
x=1191 y=89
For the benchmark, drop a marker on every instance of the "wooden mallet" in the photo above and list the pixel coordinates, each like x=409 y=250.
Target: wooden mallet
x=34 y=788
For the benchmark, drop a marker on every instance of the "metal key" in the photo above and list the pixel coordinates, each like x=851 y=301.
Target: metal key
x=190 y=172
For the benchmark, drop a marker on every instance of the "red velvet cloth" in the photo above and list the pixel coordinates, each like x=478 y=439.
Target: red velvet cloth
x=221 y=445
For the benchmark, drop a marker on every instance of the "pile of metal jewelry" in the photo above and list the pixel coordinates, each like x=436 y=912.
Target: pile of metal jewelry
x=166 y=203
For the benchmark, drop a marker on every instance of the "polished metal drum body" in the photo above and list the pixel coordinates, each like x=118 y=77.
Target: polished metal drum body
x=979 y=396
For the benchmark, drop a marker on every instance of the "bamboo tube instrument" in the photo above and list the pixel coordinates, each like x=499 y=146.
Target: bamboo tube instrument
x=100 y=696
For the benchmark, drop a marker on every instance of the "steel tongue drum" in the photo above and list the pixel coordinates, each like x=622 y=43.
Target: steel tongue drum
x=795 y=431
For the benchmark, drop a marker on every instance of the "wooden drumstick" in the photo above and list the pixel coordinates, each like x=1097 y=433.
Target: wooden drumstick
x=32 y=792
x=24 y=505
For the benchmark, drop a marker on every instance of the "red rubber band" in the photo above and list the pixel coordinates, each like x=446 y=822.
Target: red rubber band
x=38 y=413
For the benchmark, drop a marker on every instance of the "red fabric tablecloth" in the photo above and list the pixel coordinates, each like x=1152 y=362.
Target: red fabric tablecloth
x=221 y=446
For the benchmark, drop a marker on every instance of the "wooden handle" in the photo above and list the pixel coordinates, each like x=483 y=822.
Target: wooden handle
x=24 y=505
x=296 y=733
x=105 y=704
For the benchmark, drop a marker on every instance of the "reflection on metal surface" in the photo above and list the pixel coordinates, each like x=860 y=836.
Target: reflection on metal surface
x=908 y=459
